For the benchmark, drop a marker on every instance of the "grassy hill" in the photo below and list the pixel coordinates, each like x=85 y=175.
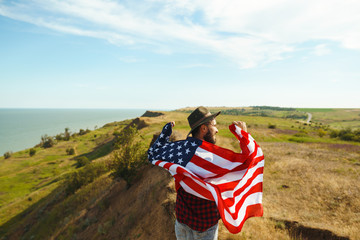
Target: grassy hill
x=310 y=182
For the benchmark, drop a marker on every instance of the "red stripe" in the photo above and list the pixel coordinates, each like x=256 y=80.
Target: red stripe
x=167 y=165
x=228 y=186
x=182 y=171
x=238 y=168
x=238 y=204
x=223 y=152
x=230 y=201
x=255 y=210
x=198 y=188
x=208 y=166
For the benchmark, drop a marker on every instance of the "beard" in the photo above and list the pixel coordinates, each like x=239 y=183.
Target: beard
x=209 y=137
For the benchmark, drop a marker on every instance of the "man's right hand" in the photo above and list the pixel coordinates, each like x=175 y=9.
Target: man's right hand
x=241 y=125
x=172 y=123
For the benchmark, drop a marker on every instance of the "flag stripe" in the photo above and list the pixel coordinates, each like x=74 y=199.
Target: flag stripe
x=215 y=159
x=227 y=178
x=223 y=153
x=200 y=171
x=241 y=185
x=251 y=199
x=203 y=192
x=250 y=187
x=208 y=166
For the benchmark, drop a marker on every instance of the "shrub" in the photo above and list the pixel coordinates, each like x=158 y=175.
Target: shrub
x=83 y=132
x=70 y=151
x=82 y=161
x=32 y=152
x=321 y=132
x=83 y=176
x=347 y=136
x=129 y=156
x=47 y=141
x=59 y=137
x=8 y=154
x=272 y=126
x=301 y=133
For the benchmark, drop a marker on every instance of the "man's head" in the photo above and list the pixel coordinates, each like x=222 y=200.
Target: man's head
x=203 y=124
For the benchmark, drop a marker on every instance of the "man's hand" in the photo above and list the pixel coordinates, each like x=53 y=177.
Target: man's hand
x=241 y=125
x=172 y=123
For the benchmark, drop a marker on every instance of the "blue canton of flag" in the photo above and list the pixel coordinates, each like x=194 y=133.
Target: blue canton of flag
x=179 y=152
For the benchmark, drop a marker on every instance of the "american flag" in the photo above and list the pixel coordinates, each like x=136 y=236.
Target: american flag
x=232 y=180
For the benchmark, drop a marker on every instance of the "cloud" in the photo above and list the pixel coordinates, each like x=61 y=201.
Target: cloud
x=321 y=50
x=248 y=33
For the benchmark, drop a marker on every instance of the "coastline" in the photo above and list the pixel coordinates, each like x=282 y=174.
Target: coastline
x=21 y=129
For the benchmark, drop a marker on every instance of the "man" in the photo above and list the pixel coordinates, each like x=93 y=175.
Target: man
x=209 y=178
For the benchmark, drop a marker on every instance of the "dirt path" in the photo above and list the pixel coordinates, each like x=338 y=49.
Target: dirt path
x=309 y=118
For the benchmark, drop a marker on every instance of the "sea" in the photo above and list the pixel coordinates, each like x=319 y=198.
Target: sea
x=22 y=128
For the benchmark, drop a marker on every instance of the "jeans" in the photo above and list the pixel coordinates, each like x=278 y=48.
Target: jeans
x=184 y=232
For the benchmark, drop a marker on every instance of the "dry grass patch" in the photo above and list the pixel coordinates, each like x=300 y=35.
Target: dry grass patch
x=313 y=186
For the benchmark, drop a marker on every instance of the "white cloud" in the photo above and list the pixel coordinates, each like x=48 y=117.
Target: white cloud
x=248 y=33
x=321 y=50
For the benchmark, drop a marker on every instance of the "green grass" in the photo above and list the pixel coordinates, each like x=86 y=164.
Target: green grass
x=312 y=110
x=22 y=175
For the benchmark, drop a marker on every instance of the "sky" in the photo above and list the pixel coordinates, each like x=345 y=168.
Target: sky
x=169 y=54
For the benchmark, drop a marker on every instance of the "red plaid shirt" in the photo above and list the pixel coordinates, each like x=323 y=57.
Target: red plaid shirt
x=198 y=213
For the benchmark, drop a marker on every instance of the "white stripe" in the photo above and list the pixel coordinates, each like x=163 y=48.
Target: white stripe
x=251 y=138
x=251 y=147
x=190 y=190
x=162 y=164
x=243 y=181
x=259 y=153
x=238 y=198
x=252 y=199
x=173 y=170
x=199 y=170
x=203 y=184
x=249 y=174
x=238 y=131
x=216 y=159
x=213 y=192
x=229 y=177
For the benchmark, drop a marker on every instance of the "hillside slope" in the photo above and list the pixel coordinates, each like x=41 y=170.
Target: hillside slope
x=144 y=211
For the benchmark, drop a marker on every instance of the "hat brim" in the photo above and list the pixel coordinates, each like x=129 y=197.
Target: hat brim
x=204 y=121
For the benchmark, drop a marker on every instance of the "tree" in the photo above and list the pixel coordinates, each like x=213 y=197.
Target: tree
x=47 y=141
x=8 y=154
x=82 y=161
x=70 y=151
x=32 y=152
x=66 y=134
x=129 y=156
x=321 y=132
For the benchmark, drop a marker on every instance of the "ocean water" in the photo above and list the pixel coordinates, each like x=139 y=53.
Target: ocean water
x=22 y=128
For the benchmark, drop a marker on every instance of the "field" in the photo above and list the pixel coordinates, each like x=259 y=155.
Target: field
x=310 y=182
